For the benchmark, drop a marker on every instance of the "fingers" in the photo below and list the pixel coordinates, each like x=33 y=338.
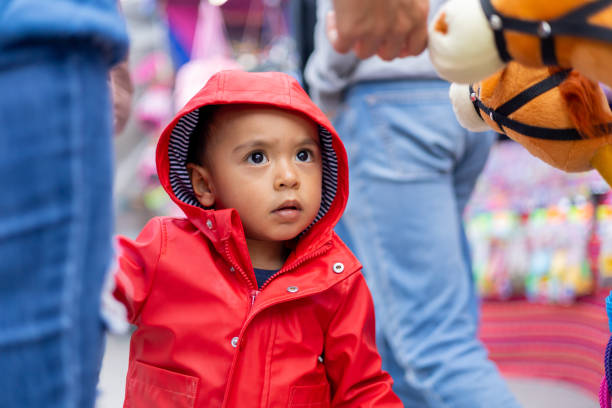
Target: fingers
x=391 y=48
x=350 y=37
x=342 y=44
x=366 y=48
x=387 y=29
x=415 y=43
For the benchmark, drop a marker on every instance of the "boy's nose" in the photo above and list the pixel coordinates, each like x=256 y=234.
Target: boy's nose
x=286 y=177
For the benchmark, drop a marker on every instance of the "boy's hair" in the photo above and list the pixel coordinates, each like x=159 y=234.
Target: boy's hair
x=201 y=133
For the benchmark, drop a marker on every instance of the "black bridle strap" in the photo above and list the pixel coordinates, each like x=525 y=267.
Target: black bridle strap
x=574 y=23
x=501 y=114
x=533 y=91
x=498 y=32
x=548 y=51
x=474 y=100
x=585 y=11
x=528 y=130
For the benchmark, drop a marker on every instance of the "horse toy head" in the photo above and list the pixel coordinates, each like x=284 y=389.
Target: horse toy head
x=472 y=39
x=558 y=115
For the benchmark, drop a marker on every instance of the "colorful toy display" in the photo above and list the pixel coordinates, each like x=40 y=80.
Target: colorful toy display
x=604 y=230
x=536 y=232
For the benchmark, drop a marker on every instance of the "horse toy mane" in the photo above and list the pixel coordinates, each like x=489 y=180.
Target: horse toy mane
x=472 y=39
x=558 y=115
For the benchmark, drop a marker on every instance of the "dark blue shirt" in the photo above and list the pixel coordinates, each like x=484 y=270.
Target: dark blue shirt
x=262 y=275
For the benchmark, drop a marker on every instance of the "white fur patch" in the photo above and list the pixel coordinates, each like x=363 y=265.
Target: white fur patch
x=464 y=109
x=466 y=53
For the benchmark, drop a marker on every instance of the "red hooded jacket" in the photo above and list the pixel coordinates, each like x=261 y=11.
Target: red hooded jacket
x=206 y=337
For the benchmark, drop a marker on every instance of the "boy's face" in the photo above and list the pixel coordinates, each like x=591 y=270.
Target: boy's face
x=265 y=163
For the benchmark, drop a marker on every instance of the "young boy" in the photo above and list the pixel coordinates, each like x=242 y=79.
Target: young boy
x=252 y=300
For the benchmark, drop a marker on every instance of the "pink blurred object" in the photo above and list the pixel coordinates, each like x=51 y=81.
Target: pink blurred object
x=192 y=76
x=210 y=54
x=210 y=37
x=182 y=18
x=154 y=107
x=153 y=67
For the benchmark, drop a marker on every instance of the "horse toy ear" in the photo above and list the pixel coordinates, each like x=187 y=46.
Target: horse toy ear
x=471 y=39
x=559 y=116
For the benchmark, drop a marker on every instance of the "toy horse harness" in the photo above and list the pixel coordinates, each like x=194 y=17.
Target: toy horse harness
x=573 y=23
x=502 y=113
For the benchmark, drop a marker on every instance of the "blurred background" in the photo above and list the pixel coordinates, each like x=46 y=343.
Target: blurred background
x=541 y=239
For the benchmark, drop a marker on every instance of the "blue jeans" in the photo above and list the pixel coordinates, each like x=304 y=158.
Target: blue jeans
x=55 y=224
x=412 y=170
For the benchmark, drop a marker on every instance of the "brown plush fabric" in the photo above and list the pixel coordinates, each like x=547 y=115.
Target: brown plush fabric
x=592 y=58
x=578 y=103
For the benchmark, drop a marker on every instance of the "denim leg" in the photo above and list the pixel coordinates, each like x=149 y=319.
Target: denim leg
x=471 y=163
x=404 y=223
x=55 y=225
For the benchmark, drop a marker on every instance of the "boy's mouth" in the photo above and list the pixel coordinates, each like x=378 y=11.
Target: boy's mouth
x=289 y=205
x=288 y=211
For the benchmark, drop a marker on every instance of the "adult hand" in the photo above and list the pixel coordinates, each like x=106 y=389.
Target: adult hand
x=122 y=91
x=388 y=28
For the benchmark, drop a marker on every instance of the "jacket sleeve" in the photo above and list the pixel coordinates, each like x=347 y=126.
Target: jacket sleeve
x=351 y=358
x=136 y=265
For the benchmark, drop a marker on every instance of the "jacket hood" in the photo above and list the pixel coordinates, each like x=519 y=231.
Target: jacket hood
x=272 y=89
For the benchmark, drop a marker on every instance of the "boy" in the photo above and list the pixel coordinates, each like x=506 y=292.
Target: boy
x=252 y=300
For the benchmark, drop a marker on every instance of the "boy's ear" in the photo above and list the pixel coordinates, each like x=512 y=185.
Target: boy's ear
x=202 y=186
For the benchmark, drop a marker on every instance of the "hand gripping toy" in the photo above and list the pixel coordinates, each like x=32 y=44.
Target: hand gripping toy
x=558 y=115
x=472 y=39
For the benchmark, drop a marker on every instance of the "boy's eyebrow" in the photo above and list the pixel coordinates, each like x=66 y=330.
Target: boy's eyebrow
x=251 y=144
x=309 y=141
x=262 y=143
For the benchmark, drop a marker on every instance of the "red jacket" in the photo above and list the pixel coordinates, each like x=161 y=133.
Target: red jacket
x=206 y=336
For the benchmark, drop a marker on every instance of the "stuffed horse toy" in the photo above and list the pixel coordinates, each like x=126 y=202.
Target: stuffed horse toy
x=472 y=39
x=558 y=115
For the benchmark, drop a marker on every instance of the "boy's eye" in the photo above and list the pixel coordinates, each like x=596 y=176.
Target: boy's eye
x=257 y=158
x=304 y=155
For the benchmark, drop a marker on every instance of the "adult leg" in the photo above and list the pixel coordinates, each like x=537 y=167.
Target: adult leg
x=55 y=224
x=403 y=221
x=473 y=157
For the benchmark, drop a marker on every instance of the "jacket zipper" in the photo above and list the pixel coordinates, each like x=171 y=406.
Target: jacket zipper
x=237 y=267
x=298 y=262
x=253 y=294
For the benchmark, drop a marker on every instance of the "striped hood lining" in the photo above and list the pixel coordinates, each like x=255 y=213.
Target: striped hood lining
x=181 y=183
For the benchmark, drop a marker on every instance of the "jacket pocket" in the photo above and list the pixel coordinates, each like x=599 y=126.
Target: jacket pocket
x=309 y=396
x=153 y=387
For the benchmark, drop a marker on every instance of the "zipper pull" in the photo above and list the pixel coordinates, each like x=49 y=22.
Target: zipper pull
x=254 y=294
